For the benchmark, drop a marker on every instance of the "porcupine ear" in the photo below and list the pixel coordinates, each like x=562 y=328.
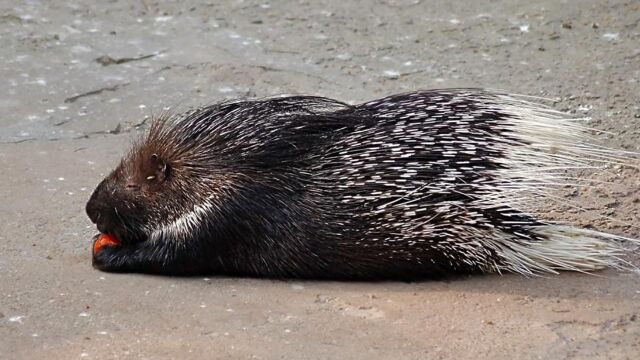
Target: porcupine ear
x=159 y=168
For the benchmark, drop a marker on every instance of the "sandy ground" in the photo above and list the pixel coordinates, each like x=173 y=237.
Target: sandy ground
x=79 y=80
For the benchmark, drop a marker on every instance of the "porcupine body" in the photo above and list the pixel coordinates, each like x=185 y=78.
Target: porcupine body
x=414 y=185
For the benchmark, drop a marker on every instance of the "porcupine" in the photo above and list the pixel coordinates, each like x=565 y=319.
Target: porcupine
x=416 y=185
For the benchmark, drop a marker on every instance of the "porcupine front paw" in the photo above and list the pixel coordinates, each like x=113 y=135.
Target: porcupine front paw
x=107 y=253
x=111 y=255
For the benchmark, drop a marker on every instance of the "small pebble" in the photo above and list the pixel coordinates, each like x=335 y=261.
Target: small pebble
x=392 y=74
x=17 y=319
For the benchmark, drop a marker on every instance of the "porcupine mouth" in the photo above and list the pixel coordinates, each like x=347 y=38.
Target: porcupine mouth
x=123 y=238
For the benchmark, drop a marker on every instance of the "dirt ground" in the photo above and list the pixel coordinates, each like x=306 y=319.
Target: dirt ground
x=80 y=79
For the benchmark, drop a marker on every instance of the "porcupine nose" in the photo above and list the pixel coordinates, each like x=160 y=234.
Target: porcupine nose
x=97 y=216
x=93 y=212
x=94 y=209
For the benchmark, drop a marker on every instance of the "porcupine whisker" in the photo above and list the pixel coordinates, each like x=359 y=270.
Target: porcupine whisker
x=122 y=221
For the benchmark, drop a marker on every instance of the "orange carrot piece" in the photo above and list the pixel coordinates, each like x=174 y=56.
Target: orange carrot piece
x=104 y=240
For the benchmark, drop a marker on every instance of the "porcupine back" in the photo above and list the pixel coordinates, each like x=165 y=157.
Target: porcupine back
x=451 y=180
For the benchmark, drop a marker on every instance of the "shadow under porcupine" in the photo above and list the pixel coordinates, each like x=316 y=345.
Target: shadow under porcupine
x=413 y=185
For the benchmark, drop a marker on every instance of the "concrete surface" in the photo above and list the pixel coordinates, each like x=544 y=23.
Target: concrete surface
x=79 y=79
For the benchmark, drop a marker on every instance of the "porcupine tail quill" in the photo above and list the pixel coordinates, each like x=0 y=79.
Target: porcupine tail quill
x=544 y=148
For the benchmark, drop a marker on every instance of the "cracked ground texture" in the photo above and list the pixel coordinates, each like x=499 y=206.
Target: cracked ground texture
x=80 y=79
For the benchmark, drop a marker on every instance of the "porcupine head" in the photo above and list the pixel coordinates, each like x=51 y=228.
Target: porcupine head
x=215 y=189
